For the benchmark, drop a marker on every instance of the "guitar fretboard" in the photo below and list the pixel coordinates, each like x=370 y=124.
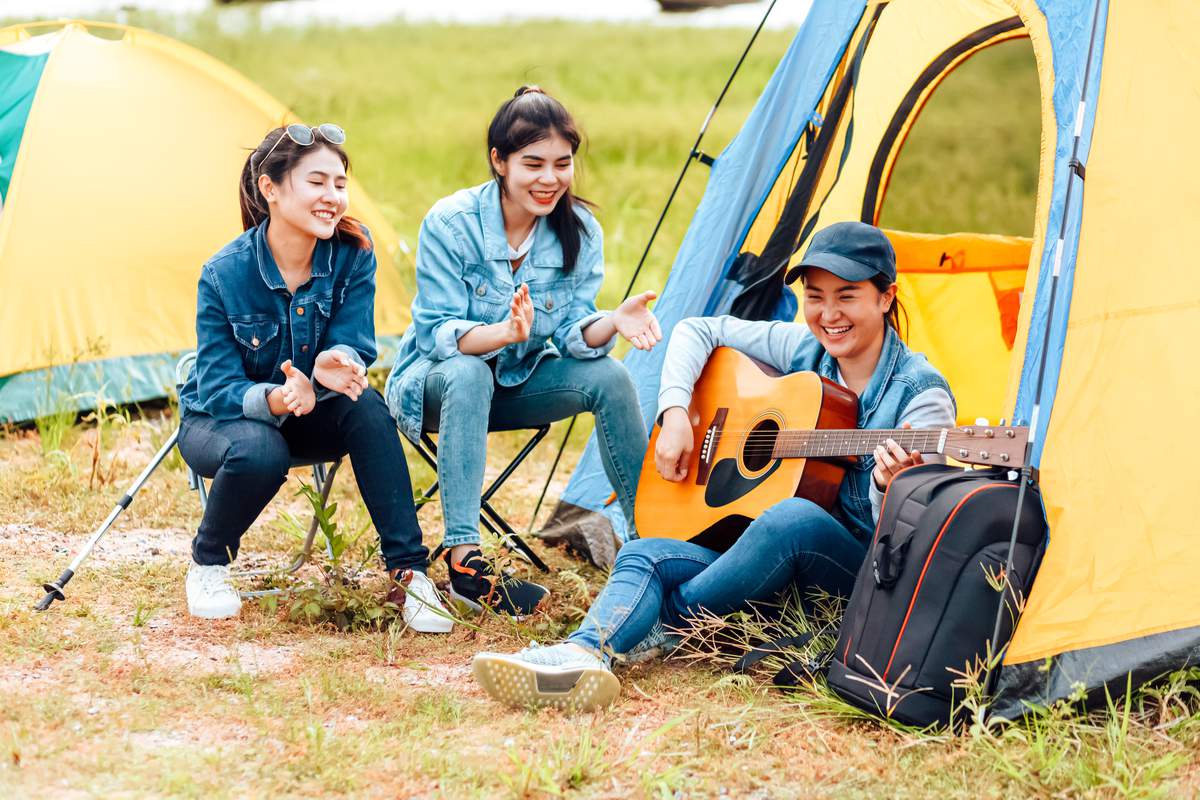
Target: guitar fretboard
x=834 y=443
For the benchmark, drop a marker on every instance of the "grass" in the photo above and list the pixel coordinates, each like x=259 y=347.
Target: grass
x=117 y=692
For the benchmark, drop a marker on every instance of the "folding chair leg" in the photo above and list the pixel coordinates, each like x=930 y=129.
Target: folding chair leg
x=324 y=478
x=501 y=529
x=516 y=462
x=509 y=536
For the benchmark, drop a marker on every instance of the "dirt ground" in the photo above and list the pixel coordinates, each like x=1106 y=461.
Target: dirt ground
x=117 y=692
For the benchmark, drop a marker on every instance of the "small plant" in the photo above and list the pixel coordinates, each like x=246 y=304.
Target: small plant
x=338 y=596
x=56 y=416
x=105 y=416
x=565 y=768
x=143 y=614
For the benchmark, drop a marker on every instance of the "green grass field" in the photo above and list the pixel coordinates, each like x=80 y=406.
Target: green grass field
x=118 y=693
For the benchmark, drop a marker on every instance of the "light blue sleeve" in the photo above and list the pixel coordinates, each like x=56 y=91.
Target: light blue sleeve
x=440 y=305
x=693 y=340
x=568 y=336
x=932 y=408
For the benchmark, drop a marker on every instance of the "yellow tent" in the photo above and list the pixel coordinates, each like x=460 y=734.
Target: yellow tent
x=1085 y=331
x=120 y=152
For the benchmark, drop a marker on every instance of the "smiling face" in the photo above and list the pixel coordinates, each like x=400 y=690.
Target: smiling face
x=847 y=317
x=312 y=198
x=537 y=176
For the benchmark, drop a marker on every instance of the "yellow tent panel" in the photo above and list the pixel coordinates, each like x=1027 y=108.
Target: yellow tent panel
x=126 y=181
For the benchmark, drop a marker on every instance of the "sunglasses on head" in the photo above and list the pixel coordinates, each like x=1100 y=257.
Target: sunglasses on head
x=303 y=135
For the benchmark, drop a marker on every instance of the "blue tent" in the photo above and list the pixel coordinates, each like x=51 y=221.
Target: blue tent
x=1050 y=342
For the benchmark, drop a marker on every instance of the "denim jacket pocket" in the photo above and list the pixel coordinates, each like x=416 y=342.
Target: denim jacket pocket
x=550 y=304
x=257 y=337
x=486 y=301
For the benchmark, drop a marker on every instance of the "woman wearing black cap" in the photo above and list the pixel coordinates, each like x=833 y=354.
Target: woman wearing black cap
x=851 y=336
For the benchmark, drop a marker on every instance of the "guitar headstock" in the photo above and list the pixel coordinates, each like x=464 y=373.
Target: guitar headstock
x=988 y=446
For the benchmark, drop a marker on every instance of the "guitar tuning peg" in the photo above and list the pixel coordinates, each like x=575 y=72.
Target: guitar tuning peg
x=1001 y=423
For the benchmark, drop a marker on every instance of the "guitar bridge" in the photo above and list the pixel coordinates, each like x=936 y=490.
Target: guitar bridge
x=708 y=448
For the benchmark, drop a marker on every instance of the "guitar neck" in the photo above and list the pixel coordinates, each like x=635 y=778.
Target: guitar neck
x=822 y=443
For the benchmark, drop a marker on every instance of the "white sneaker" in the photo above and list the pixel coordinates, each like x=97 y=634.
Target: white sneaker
x=210 y=594
x=562 y=675
x=421 y=607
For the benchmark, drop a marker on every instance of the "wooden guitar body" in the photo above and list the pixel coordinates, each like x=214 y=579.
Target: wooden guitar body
x=732 y=477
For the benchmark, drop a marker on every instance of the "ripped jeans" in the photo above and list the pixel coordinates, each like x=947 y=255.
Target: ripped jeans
x=794 y=542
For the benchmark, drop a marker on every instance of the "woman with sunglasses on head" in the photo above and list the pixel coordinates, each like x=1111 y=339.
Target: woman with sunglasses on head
x=285 y=331
x=506 y=333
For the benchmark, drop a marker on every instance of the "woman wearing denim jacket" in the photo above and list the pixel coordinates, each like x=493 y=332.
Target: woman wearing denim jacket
x=851 y=337
x=285 y=331
x=506 y=334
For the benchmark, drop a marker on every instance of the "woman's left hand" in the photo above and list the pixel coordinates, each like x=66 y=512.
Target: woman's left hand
x=890 y=458
x=637 y=323
x=335 y=370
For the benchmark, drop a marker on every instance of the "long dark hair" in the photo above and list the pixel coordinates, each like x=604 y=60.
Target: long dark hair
x=893 y=314
x=276 y=166
x=530 y=116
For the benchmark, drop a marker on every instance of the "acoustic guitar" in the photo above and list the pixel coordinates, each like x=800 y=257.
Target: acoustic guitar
x=762 y=437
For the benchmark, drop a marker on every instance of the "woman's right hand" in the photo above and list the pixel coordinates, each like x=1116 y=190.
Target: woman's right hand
x=297 y=390
x=673 y=452
x=520 y=316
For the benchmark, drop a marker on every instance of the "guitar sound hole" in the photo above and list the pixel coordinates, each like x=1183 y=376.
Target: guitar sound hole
x=756 y=454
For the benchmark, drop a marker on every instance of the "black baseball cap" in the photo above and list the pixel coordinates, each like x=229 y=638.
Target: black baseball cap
x=854 y=251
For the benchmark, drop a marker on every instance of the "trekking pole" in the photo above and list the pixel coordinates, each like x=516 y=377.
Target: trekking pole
x=54 y=591
x=693 y=155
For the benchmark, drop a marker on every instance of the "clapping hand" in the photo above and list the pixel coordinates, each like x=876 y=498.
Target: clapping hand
x=520 y=316
x=339 y=372
x=298 y=393
x=637 y=323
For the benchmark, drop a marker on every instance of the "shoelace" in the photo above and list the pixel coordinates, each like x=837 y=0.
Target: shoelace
x=215 y=580
x=485 y=573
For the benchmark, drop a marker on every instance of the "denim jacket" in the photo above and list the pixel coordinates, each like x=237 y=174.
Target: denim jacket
x=247 y=324
x=900 y=376
x=464 y=279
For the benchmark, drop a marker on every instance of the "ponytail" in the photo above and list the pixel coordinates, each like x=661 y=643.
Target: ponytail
x=529 y=116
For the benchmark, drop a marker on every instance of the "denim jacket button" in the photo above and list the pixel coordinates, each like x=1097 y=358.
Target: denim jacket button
x=254 y=342
x=304 y=348
x=481 y=291
x=550 y=304
x=300 y=311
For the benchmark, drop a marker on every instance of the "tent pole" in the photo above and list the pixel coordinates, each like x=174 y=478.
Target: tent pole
x=1029 y=472
x=693 y=155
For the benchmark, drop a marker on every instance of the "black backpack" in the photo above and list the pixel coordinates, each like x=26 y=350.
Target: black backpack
x=925 y=600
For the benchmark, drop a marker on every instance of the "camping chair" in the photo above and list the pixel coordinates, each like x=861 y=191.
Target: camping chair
x=488 y=515
x=323 y=475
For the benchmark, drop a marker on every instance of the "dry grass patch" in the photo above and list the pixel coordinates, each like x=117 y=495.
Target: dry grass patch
x=118 y=691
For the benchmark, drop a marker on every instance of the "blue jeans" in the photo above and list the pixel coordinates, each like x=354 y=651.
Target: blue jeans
x=794 y=542
x=248 y=461
x=463 y=399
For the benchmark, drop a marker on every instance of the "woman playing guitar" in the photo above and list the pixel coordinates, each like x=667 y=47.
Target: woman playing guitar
x=851 y=337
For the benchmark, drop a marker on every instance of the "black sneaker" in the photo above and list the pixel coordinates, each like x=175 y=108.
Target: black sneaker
x=474 y=583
